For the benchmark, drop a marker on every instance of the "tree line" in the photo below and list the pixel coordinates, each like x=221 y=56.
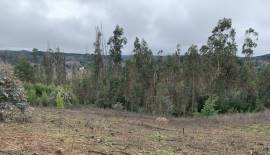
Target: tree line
x=208 y=79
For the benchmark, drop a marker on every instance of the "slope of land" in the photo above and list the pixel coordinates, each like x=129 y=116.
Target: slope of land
x=96 y=131
x=12 y=57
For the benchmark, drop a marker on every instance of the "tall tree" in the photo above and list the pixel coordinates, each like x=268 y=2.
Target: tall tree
x=116 y=43
x=250 y=42
x=193 y=73
x=98 y=60
x=48 y=66
x=248 y=71
x=37 y=77
x=60 y=67
x=145 y=67
x=173 y=75
x=221 y=52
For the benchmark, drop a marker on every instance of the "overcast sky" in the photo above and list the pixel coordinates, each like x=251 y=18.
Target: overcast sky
x=70 y=24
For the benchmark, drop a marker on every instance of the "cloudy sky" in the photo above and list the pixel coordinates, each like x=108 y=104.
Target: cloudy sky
x=70 y=24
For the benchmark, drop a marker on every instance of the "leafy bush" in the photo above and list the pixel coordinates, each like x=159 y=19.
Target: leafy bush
x=43 y=95
x=23 y=70
x=44 y=99
x=240 y=102
x=59 y=100
x=38 y=94
x=263 y=84
x=209 y=106
x=12 y=95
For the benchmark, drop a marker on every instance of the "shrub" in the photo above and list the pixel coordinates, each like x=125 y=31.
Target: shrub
x=44 y=99
x=240 y=102
x=12 y=95
x=209 y=106
x=49 y=95
x=39 y=94
x=31 y=95
x=23 y=70
x=59 y=100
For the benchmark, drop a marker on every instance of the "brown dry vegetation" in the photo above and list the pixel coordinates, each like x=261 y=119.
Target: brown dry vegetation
x=96 y=131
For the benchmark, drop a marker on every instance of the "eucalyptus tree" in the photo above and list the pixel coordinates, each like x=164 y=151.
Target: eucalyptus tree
x=192 y=74
x=98 y=59
x=251 y=36
x=144 y=63
x=248 y=71
x=116 y=43
x=60 y=67
x=114 y=76
x=48 y=66
x=221 y=53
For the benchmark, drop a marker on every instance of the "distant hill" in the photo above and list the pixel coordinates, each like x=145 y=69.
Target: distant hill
x=261 y=60
x=12 y=57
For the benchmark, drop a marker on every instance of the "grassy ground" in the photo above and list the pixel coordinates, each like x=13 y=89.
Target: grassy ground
x=96 y=131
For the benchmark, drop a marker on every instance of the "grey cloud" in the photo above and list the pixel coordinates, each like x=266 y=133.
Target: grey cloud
x=70 y=24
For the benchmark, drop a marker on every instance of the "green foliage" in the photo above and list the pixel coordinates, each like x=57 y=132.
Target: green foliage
x=263 y=84
x=38 y=94
x=249 y=42
x=44 y=99
x=239 y=103
x=116 y=43
x=209 y=107
x=59 y=100
x=43 y=95
x=23 y=70
x=172 y=85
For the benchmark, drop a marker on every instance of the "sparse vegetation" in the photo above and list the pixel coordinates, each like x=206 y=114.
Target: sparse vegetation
x=204 y=81
x=95 y=131
x=177 y=85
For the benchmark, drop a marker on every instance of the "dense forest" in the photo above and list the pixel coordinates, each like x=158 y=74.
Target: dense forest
x=204 y=80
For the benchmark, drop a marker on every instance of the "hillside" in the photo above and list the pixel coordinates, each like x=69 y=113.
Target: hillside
x=106 y=132
x=12 y=57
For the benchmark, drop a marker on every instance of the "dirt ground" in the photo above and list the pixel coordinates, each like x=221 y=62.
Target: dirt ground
x=88 y=131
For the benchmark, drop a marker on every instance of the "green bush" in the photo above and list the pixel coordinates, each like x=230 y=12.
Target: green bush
x=209 y=106
x=44 y=99
x=59 y=100
x=239 y=103
x=31 y=95
x=43 y=95
x=39 y=94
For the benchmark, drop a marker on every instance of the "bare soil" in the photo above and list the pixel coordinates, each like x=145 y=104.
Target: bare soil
x=90 y=131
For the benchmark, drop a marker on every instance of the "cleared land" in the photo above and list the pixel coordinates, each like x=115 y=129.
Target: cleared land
x=96 y=131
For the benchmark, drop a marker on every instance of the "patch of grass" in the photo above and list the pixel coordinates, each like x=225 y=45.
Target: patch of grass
x=263 y=129
x=160 y=136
